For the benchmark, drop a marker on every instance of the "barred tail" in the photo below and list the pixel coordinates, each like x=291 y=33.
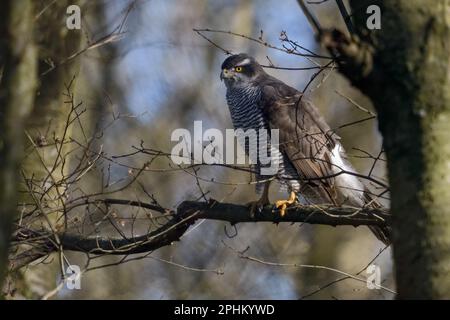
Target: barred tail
x=382 y=233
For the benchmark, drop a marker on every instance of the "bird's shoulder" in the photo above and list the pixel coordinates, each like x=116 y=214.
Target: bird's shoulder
x=288 y=108
x=274 y=92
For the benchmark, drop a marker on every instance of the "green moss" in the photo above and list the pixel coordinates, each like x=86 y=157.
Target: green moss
x=412 y=60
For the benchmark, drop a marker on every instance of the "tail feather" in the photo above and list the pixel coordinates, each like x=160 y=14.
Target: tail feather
x=353 y=192
x=382 y=233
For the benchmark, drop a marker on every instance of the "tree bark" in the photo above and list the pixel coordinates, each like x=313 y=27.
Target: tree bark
x=46 y=163
x=48 y=122
x=187 y=213
x=17 y=90
x=405 y=69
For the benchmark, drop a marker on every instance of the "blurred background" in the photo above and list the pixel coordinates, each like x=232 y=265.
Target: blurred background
x=160 y=75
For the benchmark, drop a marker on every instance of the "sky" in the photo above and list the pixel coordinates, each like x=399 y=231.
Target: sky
x=156 y=59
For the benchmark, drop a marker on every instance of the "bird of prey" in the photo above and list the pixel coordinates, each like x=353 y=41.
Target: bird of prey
x=311 y=159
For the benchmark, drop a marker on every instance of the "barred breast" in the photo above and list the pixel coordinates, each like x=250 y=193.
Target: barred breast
x=246 y=114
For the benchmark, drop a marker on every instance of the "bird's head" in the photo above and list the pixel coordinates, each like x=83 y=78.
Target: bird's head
x=240 y=70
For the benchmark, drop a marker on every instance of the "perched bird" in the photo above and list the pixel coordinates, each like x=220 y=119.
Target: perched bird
x=311 y=160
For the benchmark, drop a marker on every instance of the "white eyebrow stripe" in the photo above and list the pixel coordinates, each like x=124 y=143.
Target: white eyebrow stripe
x=244 y=62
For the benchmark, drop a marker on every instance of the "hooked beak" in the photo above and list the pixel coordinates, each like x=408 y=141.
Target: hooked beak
x=225 y=74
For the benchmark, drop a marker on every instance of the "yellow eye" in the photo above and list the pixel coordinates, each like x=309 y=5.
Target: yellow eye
x=238 y=69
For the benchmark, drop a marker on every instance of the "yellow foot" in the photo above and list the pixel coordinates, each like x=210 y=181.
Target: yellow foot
x=282 y=204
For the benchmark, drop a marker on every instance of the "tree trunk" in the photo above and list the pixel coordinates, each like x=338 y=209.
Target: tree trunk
x=43 y=167
x=17 y=91
x=407 y=77
x=47 y=125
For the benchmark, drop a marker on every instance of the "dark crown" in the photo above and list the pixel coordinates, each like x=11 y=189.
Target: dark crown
x=233 y=60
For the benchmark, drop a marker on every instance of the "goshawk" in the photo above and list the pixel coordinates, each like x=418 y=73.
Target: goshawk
x=311 y=160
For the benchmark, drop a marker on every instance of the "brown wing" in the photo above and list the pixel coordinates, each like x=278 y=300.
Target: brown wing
x=305 y=138
x=307 y=141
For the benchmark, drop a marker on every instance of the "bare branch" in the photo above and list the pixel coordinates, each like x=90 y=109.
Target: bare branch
x=187 y=213
x=346 y=16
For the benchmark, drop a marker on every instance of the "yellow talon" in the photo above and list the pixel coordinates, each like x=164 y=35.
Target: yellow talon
x=282 y=204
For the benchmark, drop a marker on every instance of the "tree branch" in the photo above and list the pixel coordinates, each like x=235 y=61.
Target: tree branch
x=325 y=215
x=353 y=54
x=187 y=213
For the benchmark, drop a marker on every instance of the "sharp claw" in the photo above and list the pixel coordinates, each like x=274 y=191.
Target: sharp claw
x=259 y=208
x=254 y=208
x=282 y=209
